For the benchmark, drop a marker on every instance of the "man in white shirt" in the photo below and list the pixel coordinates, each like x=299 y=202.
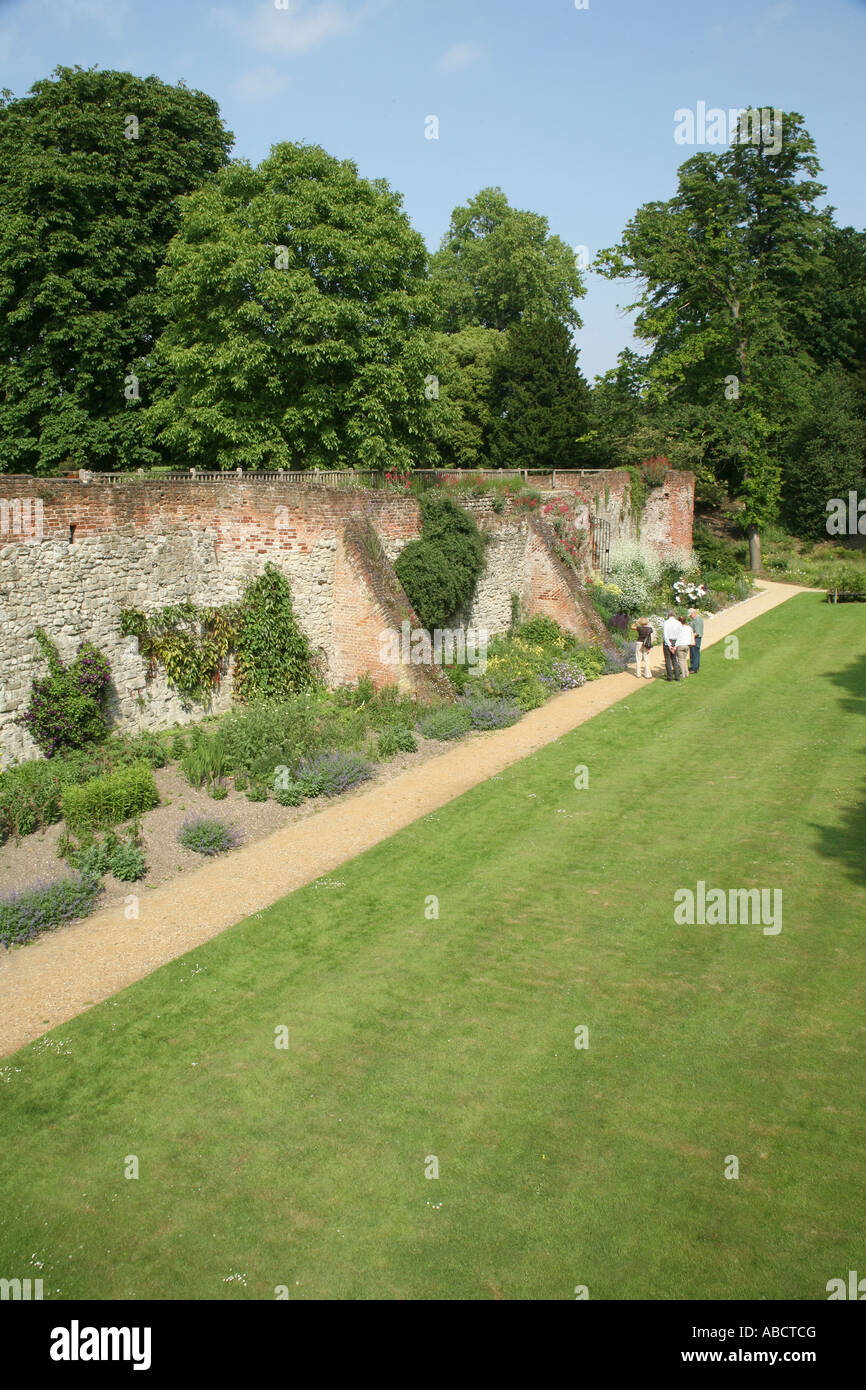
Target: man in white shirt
x=671 y=636
x=685 y=642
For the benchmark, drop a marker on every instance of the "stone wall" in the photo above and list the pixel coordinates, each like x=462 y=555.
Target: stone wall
x=73 y=554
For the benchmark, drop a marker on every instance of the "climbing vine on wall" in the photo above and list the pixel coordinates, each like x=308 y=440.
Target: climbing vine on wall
x=193 y=645
x=272 y=655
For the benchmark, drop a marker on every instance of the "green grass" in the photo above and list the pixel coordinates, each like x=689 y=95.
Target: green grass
x=453 y=1037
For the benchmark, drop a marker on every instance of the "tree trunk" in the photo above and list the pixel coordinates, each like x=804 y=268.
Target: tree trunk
x=754 y=548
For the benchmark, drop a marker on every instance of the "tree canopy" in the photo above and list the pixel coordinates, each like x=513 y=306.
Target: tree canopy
x=497 y=265
x=92 y=165
x=297 y=304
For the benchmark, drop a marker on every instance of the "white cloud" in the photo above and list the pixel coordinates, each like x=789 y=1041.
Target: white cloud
x=259 y=84
x=460 y=55
x=110 y=15
x=304 y=25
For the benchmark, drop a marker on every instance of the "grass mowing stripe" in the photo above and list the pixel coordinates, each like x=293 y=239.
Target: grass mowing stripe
x=454 y=1037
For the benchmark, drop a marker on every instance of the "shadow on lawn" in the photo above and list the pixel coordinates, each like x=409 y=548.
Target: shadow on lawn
x=846 y=841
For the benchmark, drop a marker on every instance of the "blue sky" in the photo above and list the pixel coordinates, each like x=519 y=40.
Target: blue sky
x=570 y=110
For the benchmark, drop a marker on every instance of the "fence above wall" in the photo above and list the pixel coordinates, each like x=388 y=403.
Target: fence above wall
x=345 y=477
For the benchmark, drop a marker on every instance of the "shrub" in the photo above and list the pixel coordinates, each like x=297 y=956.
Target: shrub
x=109 y=799
x=257 y=792
x=445 y=722
x=489 y=712
x=25 y=914
x=128 y=863
x=636 y=571
x=178 y=746
x=439 y=570
x=30 y=797
x=564 y=675
x=290 y=795
x=208 y=837
x=66 y=706
x=396 y=738
x=219 y=792
x=145 y=747
x=329 y=774
x=541 y=630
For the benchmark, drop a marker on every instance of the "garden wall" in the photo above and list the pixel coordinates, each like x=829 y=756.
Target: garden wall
x=73 y=554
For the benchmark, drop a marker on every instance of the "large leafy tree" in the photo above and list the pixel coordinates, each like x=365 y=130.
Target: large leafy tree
x=296 y=298
x=727 y=269
x=497 y=264
x=541 y=400
x=825 y=453
x=91 y=168
x=464 y=417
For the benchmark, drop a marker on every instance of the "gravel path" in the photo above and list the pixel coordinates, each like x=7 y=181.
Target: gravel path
x=57 y=976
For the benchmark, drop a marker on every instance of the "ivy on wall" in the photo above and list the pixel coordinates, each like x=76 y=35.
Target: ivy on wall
x=193 y=645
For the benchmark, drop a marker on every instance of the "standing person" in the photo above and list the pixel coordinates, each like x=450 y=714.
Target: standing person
x=685 y=642
x=671 y=634
x=697 y=623
x=643 y=646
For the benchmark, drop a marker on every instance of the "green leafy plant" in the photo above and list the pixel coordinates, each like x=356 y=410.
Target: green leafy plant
x=208 y=837
x=191 y=644
x=439 y=570
x=445 y=722
x=272 y=655
x=290 y=795
x=107 y=800
x=396 y=738
x=66 y=707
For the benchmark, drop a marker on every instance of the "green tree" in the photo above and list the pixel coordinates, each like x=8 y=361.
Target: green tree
x=541 y=400
x=297 y=301
x=92 y=165
x=728 y=268
x=825 y=456
x=497 y=264
x=464 y=418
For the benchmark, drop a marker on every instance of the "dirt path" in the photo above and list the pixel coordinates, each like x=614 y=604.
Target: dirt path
x=60 y=974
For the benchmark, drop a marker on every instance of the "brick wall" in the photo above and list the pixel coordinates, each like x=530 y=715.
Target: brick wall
x=73 y=555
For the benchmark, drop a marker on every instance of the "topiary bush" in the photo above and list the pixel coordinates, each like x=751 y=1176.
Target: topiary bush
x=66 y=707
x=439 y=570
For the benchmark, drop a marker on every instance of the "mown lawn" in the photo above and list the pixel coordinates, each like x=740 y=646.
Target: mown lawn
x=411 y=1037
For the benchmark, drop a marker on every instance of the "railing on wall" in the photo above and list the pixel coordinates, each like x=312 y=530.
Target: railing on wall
x=544 y=478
